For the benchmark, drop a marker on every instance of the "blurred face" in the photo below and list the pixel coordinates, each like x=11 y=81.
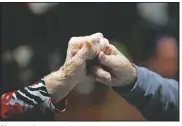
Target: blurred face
x=167 y=57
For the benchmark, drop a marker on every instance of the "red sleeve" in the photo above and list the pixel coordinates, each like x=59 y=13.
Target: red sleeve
x=19 y=102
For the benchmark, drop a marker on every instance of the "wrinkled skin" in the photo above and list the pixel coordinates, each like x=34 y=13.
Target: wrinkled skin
x=80 y=49
x=114 y=69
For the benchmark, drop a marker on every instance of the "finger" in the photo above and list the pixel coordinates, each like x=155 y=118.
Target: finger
x=85 y=51
x=72 y=63
x=93 y=38
x=73 y=52
x=101 y=73
x=99 y=38
x=106 y=60
x=98 y=42
x=102 y=81
x=100 y=35
x=86 y=46
x=75 y=43
x=108 y=51
x=104 y=43
x=111 y=50
x=95 y=48
x=78 y=42
x=113 y=82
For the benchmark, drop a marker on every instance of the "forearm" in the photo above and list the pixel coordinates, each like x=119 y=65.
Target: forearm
x=156 y=97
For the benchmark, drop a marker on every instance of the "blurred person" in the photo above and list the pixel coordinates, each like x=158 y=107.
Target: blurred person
x=40 y=8
x=154 y=20
x=23 y=55
x=165 y=58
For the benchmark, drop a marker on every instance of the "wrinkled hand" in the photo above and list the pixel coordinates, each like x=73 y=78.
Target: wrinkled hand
x=80 y=49
x=114 y=69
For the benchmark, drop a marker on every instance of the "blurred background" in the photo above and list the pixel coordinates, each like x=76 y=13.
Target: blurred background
x=35 y=38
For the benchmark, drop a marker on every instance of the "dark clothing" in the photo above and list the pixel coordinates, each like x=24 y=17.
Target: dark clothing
x=154 y=96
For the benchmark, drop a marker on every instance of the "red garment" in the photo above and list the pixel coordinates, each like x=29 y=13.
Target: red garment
x=18 y=102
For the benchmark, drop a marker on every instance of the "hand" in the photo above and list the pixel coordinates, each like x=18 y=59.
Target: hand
x=114 y=69
x=61 y=82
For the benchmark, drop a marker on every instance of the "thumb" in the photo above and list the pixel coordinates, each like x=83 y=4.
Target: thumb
x=85 y=52
x=101 y=73
x=107 y=60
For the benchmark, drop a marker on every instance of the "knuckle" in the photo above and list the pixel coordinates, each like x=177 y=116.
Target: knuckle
x=107 y=60
x=95 y=39
x=100 y=34
x=112 y=46
x=98 y=70
x=99 y=73
x=106 y=41
x=88 y=38
x=73 y=40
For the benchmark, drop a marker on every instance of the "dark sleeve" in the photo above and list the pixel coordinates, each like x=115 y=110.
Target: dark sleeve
x=154 y=96
x=26 y=99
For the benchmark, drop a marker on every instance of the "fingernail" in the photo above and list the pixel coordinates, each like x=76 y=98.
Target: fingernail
x=102 y=55
x=108 y=77
x=87 y=44
x=97 y=40
x=103 y=45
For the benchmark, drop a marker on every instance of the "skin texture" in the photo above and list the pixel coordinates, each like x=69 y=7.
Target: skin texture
x=114 y=69
x=80 y=49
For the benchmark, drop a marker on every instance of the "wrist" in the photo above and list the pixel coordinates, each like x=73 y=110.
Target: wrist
x=134 y=74
x=127 y=87
x=49 y=104
x=53 y=82
x=59 y=85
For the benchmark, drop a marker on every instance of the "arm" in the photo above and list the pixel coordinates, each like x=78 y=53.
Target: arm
x=155 y=97
x=57 y=85
x=23 y=100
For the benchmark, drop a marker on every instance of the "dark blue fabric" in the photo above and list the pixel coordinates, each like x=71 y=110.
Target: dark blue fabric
x=154 y=96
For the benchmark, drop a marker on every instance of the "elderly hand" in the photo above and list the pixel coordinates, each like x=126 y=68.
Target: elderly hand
x=114 y=69
x=61 y=82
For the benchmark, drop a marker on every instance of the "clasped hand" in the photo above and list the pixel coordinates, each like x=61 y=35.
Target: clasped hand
x=112 y=69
